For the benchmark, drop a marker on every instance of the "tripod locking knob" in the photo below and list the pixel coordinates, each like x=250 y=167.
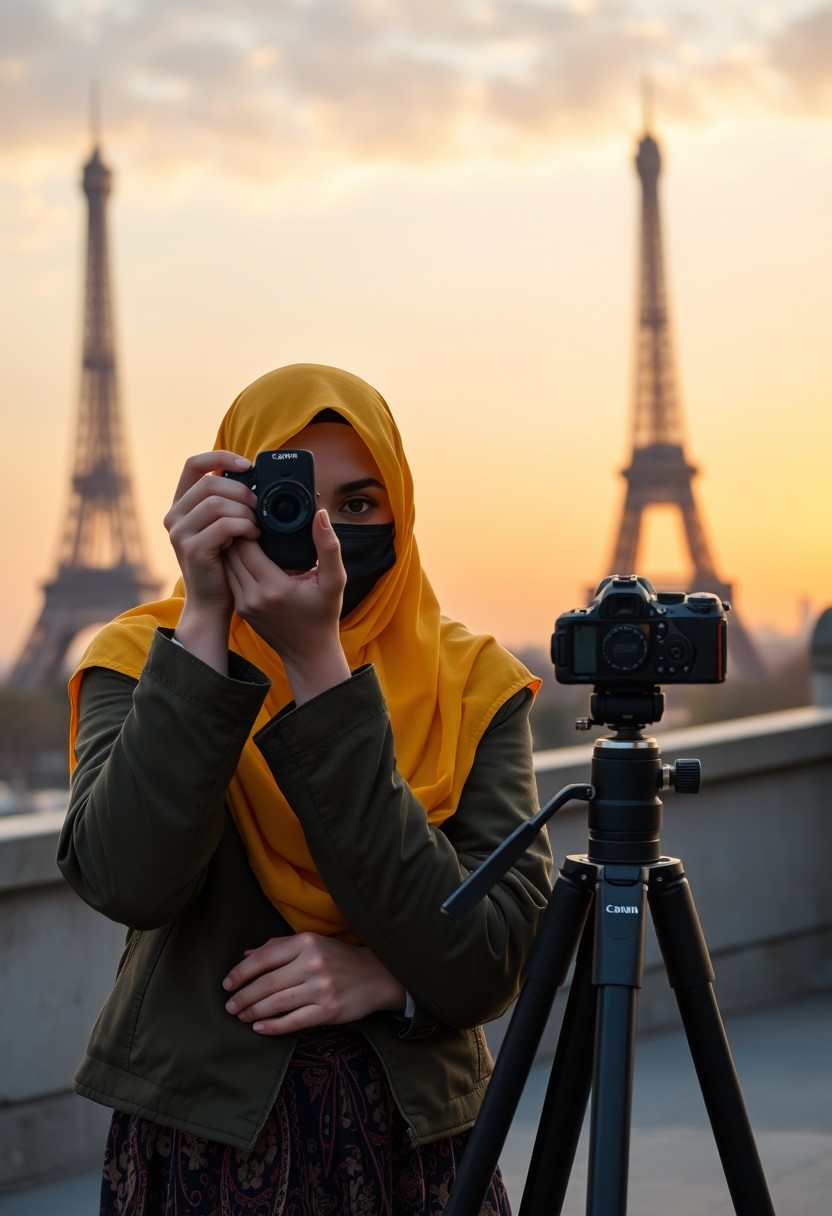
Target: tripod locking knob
x=685 y=776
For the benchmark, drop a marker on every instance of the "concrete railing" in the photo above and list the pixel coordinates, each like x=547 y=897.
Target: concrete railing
x=756 y=844
x=57 y=960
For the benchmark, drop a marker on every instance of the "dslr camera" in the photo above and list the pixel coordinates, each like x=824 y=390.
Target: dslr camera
x=284 y=482
x=631 y=636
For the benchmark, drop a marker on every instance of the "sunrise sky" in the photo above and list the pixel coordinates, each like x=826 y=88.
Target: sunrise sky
x=439 y=196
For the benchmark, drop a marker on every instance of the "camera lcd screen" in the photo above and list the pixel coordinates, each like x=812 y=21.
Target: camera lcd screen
x=584 y=659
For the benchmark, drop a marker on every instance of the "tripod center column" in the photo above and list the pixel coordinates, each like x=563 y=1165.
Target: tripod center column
x=625 y=817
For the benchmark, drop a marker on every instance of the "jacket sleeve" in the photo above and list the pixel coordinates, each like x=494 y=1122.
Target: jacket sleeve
x=147 y=801
x=389 y=870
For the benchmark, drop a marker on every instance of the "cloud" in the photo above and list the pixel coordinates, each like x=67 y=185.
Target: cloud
x=801 y=55
x=273 y=89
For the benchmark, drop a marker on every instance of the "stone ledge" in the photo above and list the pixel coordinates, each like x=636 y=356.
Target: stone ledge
x=727 y=750
x=765 y=974
x=28 y=844
x=50 y=1138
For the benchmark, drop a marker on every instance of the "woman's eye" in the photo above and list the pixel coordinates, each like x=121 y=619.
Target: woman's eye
x=357 y=506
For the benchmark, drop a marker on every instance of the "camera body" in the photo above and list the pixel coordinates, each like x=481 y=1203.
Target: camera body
x=632 y=636
x=284 y=482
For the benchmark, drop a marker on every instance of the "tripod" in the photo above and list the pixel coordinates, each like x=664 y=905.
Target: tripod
x=597 y=915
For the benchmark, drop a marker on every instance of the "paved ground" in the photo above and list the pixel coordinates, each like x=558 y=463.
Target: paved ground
x=784 y=1060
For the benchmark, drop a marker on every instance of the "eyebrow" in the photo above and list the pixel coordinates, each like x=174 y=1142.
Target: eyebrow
x=362 y=483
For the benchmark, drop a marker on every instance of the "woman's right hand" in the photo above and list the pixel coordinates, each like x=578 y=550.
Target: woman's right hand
x=209 y=512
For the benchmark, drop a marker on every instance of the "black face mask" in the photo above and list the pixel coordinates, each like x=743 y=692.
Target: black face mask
x=367 y=552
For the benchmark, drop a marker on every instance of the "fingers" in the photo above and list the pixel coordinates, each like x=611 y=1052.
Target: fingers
x=252 y=571
x=309 y=980
x=305 y=1018
x=285 y=982
x=332 y=576
x=201 y=482
x=196 y=468
x=251 y=566
x=211 y=525
x=259 y=587
x=203 y=499
x=294 y=612
x=208 y=514
x=274 y=953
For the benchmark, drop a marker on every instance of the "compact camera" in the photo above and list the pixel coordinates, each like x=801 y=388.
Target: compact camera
x=631 y=636
x=284 y=482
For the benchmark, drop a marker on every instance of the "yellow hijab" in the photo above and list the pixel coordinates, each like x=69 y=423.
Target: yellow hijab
x=442 y=684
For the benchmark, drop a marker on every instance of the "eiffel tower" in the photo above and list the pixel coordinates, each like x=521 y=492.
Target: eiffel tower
x=102 y=569
x=659 y=473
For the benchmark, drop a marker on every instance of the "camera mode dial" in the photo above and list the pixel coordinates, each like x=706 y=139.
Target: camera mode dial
x=702 y=603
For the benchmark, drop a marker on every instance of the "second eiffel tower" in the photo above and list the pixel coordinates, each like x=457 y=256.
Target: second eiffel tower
x=658 y=473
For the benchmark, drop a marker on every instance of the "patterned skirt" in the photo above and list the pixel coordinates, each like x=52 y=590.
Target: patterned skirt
x=334 y=1144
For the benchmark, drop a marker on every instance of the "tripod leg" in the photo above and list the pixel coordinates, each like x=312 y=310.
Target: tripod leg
x=621 y=911
x=546 y=969
x=690 y=973
x=567 y=1093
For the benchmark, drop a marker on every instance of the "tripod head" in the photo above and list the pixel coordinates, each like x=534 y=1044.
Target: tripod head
x=625 y=810
x=622 y=709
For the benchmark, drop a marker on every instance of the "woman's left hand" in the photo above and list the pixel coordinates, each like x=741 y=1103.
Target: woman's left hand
x=294 y=983
x=296 y=614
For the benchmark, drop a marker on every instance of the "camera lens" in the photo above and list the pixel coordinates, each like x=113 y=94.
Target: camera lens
x=286 y=508
x=625 y=647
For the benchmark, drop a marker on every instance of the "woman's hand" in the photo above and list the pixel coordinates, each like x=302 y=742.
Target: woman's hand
x=293 y=983
x=296 y=614
x=209 y=512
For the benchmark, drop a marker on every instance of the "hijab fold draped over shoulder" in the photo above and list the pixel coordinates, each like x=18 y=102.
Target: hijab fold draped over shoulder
x=441 y=683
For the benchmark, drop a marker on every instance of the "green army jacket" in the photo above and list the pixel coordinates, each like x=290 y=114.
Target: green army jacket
x=149 y=842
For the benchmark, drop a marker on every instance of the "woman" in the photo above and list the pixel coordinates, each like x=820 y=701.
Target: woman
x=278 y=780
